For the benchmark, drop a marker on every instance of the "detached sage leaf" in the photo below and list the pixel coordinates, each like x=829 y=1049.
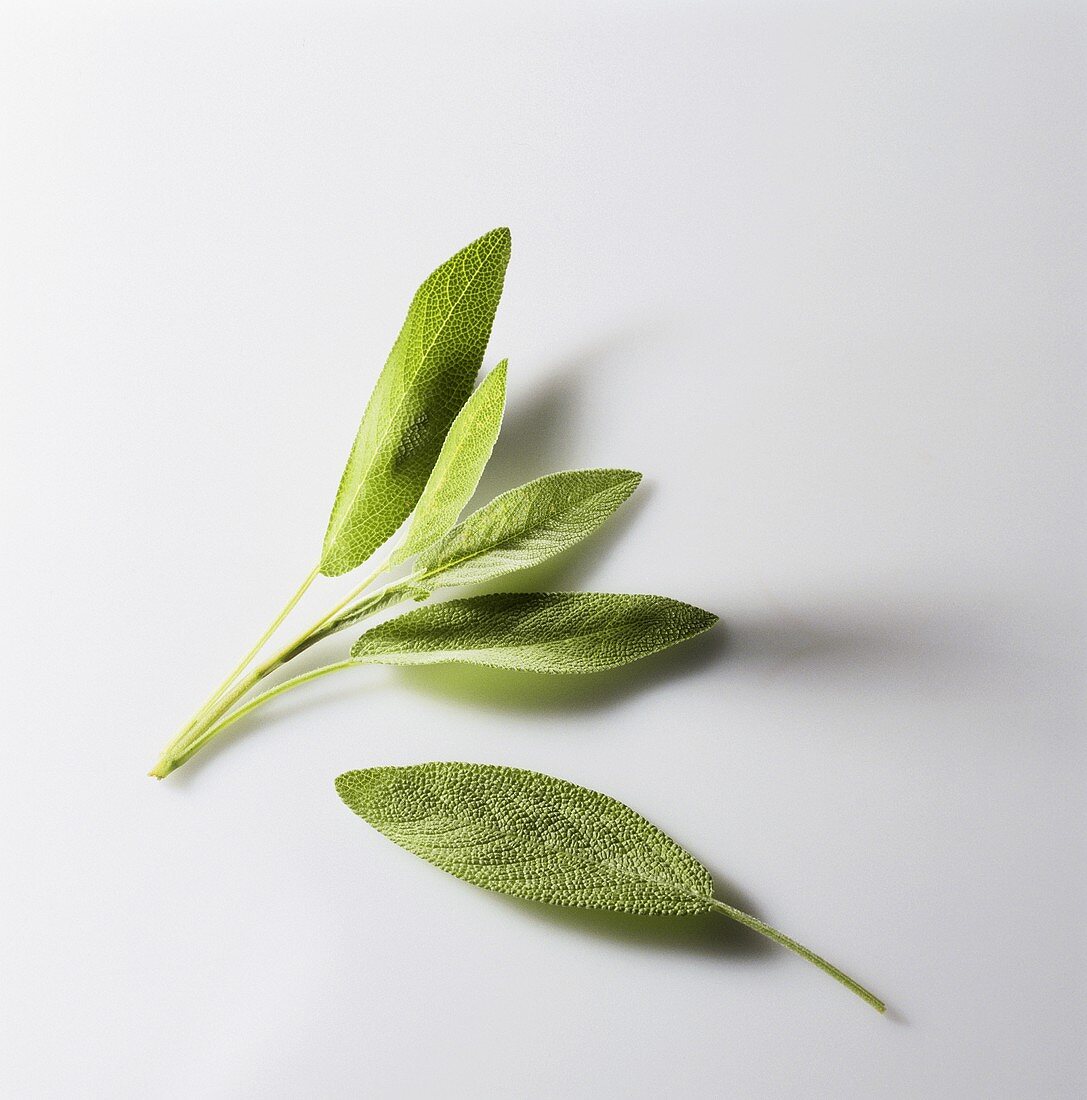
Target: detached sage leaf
x=534 y=836
x=428 y=376
x=560 y=632
x=460 y=465
x=525 y=526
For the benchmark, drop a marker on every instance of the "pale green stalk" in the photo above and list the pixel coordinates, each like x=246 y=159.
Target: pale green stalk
x=208 y=733
x=329 y=615
x=196 y=735
x=785 y=941
x=195 y=722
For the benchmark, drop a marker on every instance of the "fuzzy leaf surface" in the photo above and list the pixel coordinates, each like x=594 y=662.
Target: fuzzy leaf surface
x=427 y=378
x=525 y=526
x=558 y=632
x=531 y=835
x=460 y=465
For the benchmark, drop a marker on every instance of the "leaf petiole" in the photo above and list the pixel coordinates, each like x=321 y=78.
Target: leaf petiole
x=785 y=941
x=313 y=631
x=216 y=715
x=195 y=722
x=209 y=732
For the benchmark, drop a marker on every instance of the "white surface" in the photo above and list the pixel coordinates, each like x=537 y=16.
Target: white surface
x=818 y=270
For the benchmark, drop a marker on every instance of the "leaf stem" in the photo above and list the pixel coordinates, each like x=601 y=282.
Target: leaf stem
x=209 y=732
x=198 y=733
x=243 y=664
x=328 y=616
x=800 y=949
x=201 y=714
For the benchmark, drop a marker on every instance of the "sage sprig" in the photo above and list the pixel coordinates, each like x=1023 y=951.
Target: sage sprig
x=534 y=836
x=416 y=461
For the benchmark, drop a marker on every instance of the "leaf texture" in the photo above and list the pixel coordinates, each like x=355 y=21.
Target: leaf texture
x=556 y=632
x=428 y=376
x=525 y=526
x=530 y=835
x=460 y=465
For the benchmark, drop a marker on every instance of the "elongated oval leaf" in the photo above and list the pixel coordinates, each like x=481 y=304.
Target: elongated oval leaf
x=460 y=465
x=561 y=632
x=428 y=376
x=525 y=526
x=534 y=836
x=527 y=834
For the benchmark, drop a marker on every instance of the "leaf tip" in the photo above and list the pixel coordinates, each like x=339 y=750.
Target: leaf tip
x=346 y=785
x=706 y=620
x=497 y=377
x=627 y=481
x=499 y=240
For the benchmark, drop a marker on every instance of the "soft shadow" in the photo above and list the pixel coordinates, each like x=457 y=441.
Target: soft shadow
x=509 y=690
x=535 y=432
x=540 y=426
x=777 y=645
x=881 y=637
x=708 y=935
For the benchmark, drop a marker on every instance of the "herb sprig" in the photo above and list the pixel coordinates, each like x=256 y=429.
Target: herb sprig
x=418 y=456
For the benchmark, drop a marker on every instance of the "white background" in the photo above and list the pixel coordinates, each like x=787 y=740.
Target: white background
x=817 y=269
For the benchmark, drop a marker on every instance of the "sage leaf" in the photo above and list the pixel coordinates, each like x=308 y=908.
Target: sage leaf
x=546 y=839
x=557 y=632
x=525 y=526
x=523 y=833
x=428 y=376
x=459 y=467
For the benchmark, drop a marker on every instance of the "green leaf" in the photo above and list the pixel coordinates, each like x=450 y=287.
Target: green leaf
x=525 y=526
x=428 y=376
x=528 y=834
x=534 y=836
x=562 y=632
x=460 y=465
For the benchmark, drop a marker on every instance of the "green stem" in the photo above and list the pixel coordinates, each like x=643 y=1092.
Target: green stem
x=199 y=717
x=388 y=596
x=196 y=736
x=316 y=631
x=209 y=732
x=801 y=950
